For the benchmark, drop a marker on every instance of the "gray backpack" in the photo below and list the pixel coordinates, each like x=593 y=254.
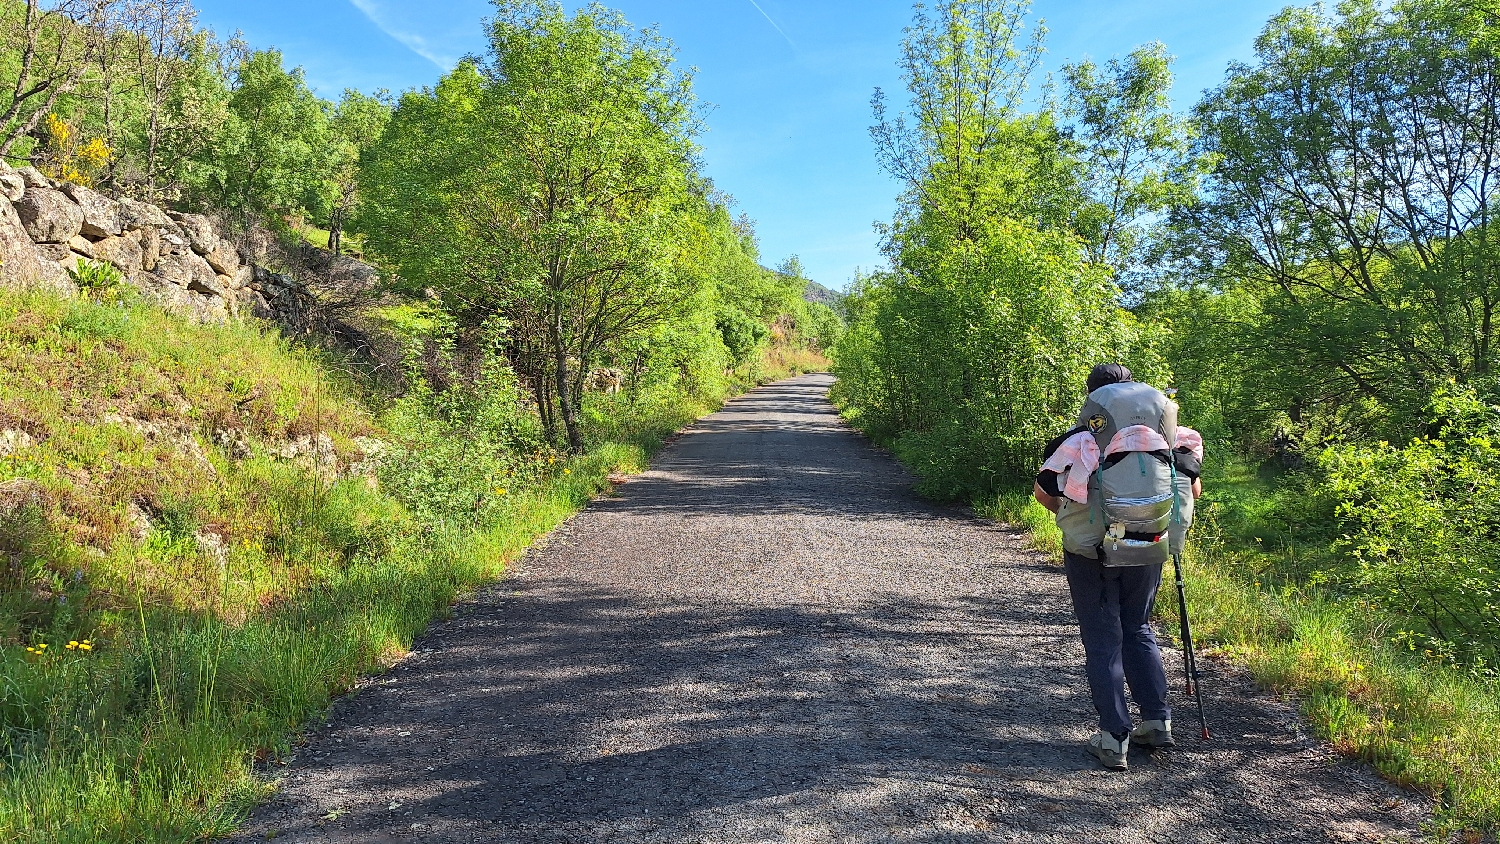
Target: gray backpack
x=1135 y=514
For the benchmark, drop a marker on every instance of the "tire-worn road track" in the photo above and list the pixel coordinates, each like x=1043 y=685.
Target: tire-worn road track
x=769 y=638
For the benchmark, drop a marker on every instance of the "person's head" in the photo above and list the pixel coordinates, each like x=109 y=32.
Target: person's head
x=1108 y=373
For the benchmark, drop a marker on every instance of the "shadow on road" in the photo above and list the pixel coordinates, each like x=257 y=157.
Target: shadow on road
x=770 y=638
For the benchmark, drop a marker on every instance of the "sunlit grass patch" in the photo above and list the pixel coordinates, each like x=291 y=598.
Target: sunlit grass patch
x=1018 y=507
x=1417 y=720
x=180 y=601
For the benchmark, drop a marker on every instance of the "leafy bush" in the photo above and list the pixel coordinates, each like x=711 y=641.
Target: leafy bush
x=1422 y=523
x=478 y=425
x=970 y=366
x=96 y=276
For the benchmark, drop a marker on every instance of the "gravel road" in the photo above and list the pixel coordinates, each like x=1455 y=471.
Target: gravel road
x=769 y=638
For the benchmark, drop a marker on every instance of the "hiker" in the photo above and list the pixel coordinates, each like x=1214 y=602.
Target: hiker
x=1122 y=484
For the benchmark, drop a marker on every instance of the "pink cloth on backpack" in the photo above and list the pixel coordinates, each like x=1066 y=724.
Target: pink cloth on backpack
x=1075 y=459
x=1191 y=440
x=1078 y=456
x=1136 y=438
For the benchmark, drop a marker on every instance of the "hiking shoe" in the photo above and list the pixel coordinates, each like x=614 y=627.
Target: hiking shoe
x=1154 y=734
x=1109 y=750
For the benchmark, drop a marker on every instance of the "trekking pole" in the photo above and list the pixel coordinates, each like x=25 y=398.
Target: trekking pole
x=1189 y=658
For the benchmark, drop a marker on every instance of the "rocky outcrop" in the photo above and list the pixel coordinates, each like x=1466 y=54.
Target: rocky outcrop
x=12 y=186
x=101 y=215
x=22 y=264
x=180 y=261
x=177 y=260
x=49 y=215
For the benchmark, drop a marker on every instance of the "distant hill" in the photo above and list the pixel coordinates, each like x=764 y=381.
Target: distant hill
x=816 y=292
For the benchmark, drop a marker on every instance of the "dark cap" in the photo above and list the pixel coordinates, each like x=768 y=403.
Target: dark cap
x=1108 y=373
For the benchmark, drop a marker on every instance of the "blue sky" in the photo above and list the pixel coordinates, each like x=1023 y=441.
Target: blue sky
x=789 y=80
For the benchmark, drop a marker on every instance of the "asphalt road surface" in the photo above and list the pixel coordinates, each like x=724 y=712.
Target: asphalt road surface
x=769 y=638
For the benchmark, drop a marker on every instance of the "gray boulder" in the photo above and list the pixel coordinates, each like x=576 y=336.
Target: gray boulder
x=79 y=243
x=208 y=286
x=49 y=216
x=225 y=258
x=54 y=251
x=140 y=215
x=150 y=240
x=12 y=186
x=165 y=292
x=241 y=277
x=190 y=271
x=173 y=243
x=21 y=264
x=101 y=215
x=208 y=308
x=33 y=177
x=199 y=231
x=123 y=252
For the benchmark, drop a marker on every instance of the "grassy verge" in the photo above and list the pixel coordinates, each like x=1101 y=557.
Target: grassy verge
x=200 y=556
x=151 y=736
x=1017 y=507
x=1256 y=598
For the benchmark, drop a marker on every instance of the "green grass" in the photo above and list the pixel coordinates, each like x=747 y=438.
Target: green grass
x=1263 y=591
x=1018 y=507
x=153 y=737
x=203 y=662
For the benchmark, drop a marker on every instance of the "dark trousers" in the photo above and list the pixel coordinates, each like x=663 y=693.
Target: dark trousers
x=1113 y=606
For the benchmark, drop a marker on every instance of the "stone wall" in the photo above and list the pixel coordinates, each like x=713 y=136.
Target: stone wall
x=177 y=260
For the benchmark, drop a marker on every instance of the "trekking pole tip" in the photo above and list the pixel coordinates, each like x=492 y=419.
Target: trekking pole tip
x=1206 y=736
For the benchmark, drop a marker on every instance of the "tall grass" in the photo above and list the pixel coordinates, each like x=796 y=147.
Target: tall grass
x=151 y=736
x=1419 y=721
x=1018 y=507
x=179 y=601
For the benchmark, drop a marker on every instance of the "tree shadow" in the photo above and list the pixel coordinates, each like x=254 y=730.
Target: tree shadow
x=594 y=699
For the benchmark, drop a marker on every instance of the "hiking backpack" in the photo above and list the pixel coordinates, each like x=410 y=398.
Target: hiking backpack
x=1137 y=485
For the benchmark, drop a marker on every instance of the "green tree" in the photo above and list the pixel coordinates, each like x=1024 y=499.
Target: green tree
x=1134 y=151
x=972 y=351
x=47 y=49
x=554 y=176
x=270 y=156
x=1351 y=194
x=355 y=127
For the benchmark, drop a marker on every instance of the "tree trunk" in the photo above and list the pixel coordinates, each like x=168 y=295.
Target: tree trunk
x=544 y=404
x=565 y=378
x=336 y=232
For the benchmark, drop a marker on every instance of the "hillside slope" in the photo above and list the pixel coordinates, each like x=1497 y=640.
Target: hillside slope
x=203 y=549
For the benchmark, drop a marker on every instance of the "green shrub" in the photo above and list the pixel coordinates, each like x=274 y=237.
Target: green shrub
x=96 y=276
x=1420 y=523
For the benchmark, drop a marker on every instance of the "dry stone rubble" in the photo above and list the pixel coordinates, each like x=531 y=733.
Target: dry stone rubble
x=182 y=262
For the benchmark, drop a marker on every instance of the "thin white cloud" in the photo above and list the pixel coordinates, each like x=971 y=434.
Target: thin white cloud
x=773 y=23
x=413 y=41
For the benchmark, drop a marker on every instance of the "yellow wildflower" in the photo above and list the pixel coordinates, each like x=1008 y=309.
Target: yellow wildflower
x=85 y=647
x=500 y=492
x=567 y=471
x=59 y=130
x=72 y=645
x=95 y=153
